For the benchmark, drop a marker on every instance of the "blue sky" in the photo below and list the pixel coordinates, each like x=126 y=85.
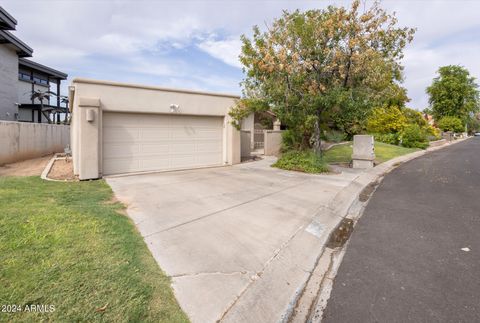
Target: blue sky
x=195 y=44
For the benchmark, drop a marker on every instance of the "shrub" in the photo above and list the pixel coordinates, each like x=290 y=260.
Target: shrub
x=415 y=117
x=335 y=136
x=385 y=120
x=414 y=137
x=290 y=140
x=451 y=124
x=473 y=125
x=388 y=138
x=302 y=161
x=433 y=133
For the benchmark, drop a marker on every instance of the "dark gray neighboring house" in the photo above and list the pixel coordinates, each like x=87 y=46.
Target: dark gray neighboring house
x=20 y=77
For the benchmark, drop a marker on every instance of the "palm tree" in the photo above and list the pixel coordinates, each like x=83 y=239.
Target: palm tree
x=45 y=95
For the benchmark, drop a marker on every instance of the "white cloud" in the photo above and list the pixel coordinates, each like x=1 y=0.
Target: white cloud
x=225 y=50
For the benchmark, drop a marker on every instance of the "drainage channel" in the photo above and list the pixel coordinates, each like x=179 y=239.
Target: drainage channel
x=311 y=309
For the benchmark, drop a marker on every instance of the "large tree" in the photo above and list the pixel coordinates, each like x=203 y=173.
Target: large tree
x=324 y=68
x=453 y=93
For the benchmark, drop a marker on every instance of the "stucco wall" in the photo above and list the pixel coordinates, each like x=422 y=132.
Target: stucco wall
x=8 y=82
x=123 y=97
x=104 y=96
x=20 y=140
x=273 y=142
x=245 y=141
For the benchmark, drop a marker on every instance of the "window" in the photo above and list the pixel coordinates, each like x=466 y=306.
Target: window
x=24 y=76
x=39 y=80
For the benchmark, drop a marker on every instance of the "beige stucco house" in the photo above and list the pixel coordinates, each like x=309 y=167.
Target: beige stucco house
x=120 y=128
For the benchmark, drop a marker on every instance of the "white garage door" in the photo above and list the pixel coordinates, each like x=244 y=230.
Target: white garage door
x=146 y=142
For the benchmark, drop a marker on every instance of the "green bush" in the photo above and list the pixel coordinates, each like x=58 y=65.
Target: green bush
x=473 y=125
x=384 y=120
x=414 y=116
x=291 y=140
x=302 y=161
x=388 y=138
x=414 y=137
x=451 y=124
x=335 y=136
x=433 y=133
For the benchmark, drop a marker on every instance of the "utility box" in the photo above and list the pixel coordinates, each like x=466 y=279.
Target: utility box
x=363 y=151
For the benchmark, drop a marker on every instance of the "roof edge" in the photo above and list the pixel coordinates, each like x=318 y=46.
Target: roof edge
x=23 y=49
x=42 y=68
x=7 y=19
x=150 y=87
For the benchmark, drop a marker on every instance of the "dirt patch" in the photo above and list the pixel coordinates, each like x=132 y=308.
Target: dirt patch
x=341 y=234
x=62 y=169
x=30 y=167
x=367 y=192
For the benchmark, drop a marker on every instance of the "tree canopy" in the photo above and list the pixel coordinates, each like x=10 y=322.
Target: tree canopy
x=453 y=93
x=324 y=69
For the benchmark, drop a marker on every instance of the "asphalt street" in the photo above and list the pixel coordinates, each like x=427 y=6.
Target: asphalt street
x=414 y=255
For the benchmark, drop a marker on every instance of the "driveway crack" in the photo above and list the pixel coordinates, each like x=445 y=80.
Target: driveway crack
x=243 y=272
x=260 y=273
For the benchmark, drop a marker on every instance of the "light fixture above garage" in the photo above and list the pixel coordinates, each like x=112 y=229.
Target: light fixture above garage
x=174 y=108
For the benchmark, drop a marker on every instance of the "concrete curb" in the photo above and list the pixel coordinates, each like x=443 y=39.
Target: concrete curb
x=48 y=168
x=346 y=204
x=284 y=291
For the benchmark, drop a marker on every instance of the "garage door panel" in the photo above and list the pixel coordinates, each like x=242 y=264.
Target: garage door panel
x=121 y=134
x=118 y=165
x=183 y=161
x=119 y=150
x=185 y=148
x=159 y=148
x=154 y=163
x=143 y=142
x=185 y=133
x=208 y=159
x=209 y=147
x=208 y=133
x=155 y=134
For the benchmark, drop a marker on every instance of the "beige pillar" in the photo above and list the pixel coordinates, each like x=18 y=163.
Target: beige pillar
x=233 y=143
x=363 y=151
x=89 y=125
x=276 y=125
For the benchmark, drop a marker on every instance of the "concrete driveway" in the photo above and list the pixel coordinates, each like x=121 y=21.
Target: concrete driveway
x=235 y=240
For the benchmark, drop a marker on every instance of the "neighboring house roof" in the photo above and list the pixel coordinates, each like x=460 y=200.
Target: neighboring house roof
x=7 y=22
x=42 y=68
x=23 y=50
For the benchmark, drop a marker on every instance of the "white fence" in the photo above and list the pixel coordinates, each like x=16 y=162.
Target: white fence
x=22 y=140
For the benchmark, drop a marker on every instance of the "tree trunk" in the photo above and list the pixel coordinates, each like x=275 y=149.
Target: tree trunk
x=317 y=142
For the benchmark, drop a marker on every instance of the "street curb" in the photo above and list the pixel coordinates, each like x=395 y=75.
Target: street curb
x=341 y=207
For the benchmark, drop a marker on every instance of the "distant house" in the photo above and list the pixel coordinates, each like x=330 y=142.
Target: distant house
x=429 y=118
x=20 y=77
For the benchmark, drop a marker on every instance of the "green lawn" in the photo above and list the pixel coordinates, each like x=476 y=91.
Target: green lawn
x=383 y=152
x=69 y=245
